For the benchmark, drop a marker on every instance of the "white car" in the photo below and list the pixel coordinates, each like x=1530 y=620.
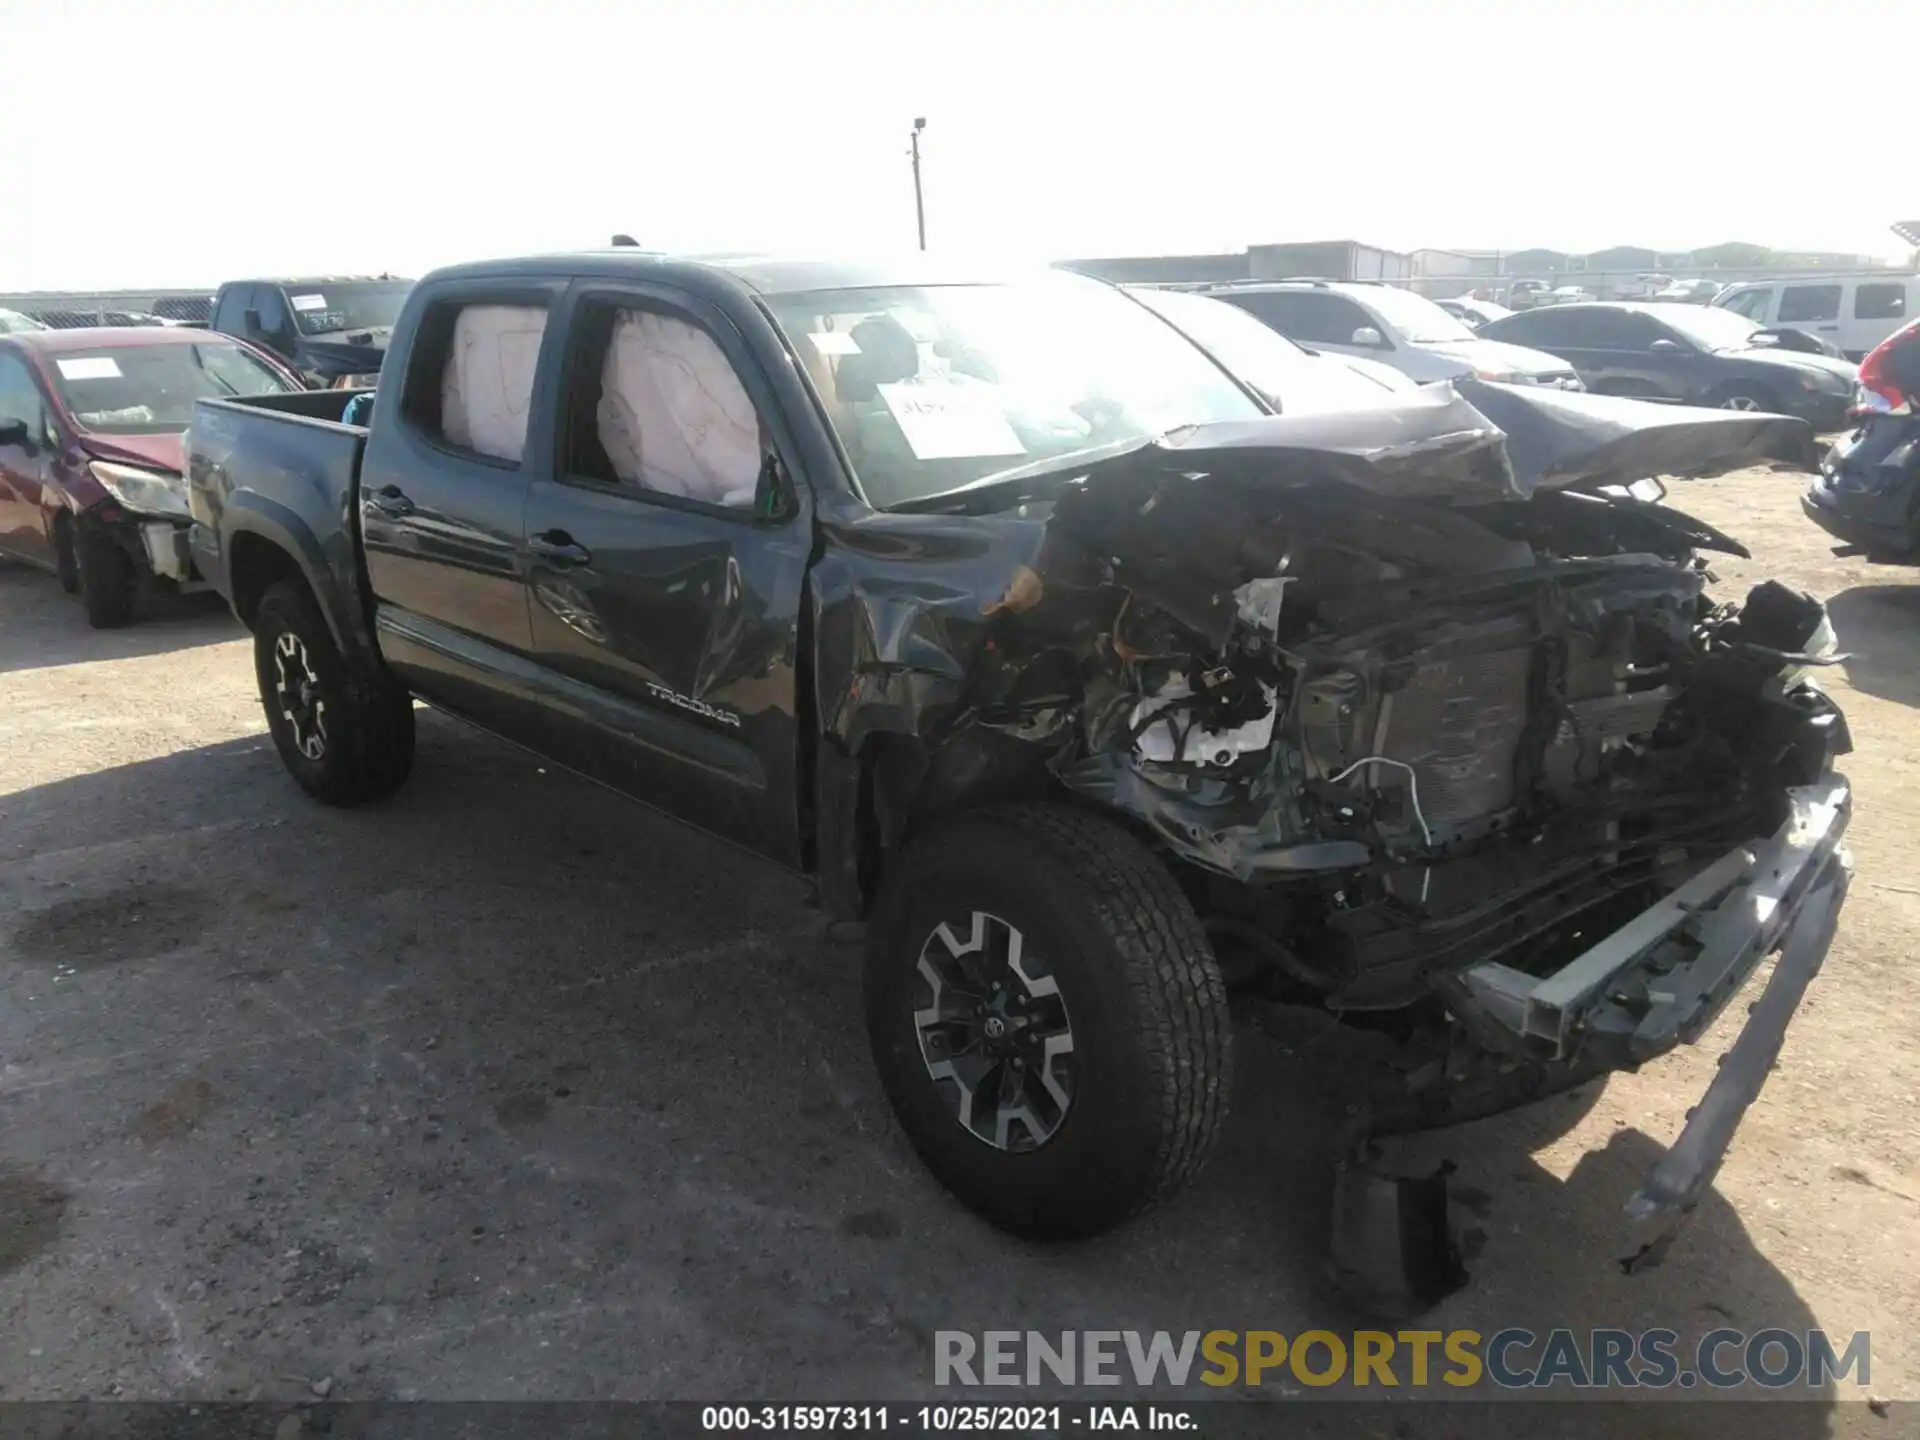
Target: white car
x=1291 y=379
x=12 y=322
x=1690 y=292
x=1563 y=295
x=1395 y=327
x=1473 y=313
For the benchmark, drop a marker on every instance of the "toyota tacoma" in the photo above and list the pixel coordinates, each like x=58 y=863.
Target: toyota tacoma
x=1095 y=689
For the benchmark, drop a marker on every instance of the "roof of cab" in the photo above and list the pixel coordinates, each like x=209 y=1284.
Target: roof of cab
x=764 y=274
x=293 y=280
x=101 y=337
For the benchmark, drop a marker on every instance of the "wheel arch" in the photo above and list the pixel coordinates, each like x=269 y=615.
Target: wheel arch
x=871 y=803
x=266 y=543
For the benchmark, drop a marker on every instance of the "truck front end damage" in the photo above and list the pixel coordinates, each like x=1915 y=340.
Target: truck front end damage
x=1436 y=723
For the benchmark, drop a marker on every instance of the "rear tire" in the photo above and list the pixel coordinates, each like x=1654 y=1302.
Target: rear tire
x=106 y=579
x=345 y=735
x=1106 y=1085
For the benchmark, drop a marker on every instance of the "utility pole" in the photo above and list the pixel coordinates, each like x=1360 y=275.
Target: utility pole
x=919 y=206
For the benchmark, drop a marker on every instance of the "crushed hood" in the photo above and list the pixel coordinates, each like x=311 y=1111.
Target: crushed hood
x=907 y=604
x=163 y=451
x=1468 y=441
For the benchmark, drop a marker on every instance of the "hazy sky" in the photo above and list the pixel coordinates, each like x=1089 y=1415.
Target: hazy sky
x=182 y=142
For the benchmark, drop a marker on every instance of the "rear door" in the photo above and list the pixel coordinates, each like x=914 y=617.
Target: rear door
x=1613 y=350
x=1640 y=356
x=1874 y=310
x=443 y=498
x=23 y=466
x=667 y=552
x=1813 y=306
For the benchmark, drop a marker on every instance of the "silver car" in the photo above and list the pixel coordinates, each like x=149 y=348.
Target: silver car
x=1289 y=378
x=1396 y=327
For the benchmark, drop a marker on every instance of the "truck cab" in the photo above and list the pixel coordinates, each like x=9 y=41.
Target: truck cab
x=332 y=329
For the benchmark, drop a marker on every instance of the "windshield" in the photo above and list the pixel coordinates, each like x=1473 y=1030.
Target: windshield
x=150 y=389
x=1709 y=328
x=932 y=388
x=1414 y=316
x=320 y=308
x=1292 y=380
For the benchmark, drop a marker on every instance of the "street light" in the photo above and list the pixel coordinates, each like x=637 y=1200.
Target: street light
x=919 y=206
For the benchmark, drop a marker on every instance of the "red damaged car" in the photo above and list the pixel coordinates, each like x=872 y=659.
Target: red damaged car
x=91 y=483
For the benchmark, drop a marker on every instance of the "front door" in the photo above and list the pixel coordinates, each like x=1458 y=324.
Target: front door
x=1629 y=353
x=23 y=464
x=1813 y=306
x=443 y=495
x=667 y=552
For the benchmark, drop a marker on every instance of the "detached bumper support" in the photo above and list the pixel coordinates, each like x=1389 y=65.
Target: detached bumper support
x=1658 y=981
x=1674 y=1185
x=1679 y=961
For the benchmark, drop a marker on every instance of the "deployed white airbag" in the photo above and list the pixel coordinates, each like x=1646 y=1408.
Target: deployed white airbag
x=487 y=387
x=673 y=416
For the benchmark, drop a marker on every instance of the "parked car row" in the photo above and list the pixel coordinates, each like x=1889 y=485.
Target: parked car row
x=1690 y=354
x=1393 y=326
x=1686 y=354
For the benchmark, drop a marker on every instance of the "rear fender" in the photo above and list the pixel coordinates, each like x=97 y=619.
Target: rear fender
x=330 y=569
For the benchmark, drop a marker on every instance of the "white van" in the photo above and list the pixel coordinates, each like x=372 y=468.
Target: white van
x=1855 y=312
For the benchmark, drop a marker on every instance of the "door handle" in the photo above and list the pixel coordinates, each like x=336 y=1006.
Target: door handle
x=559 y=549
x=390 y=501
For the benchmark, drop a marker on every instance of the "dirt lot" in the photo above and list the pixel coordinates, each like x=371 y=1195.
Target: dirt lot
x=508 y=1089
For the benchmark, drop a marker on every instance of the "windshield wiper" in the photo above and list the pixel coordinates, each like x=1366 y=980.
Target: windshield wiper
x=201 y=361
x=1049 y=467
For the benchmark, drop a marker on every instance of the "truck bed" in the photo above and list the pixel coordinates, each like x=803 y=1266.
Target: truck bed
x=298 y=480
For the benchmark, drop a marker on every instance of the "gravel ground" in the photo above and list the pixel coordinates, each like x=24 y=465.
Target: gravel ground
x=507 y=1088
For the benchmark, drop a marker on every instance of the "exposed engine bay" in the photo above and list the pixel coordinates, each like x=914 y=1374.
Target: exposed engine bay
x=1420 y=711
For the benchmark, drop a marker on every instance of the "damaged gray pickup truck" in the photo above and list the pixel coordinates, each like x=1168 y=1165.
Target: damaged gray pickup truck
x=1097 y=689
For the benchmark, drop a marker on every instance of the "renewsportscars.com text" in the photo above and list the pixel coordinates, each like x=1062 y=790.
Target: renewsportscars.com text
x=1513 y=1359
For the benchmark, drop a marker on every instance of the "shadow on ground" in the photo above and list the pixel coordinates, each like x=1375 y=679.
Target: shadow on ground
x=508 y=1089
x=46 y=627
x=1876 y=625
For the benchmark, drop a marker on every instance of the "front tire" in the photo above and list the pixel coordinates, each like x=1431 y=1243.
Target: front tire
x=66 y=563
x=1048 y=1019
x=1743 y=396
x=345 y=736
x=106 y=579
